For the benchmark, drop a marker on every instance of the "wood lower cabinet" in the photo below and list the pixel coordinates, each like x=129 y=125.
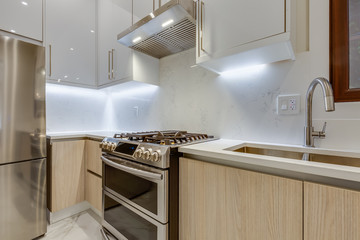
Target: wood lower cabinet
x=93 y=154
x=93 y=185
x=219 y=202
x=331 y=213
x=74 y=174
x=93 y=190
x=67 y=174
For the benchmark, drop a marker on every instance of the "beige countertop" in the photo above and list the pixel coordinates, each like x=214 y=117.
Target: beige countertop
x=97 y=135
x=216 y=152
x=219 y=152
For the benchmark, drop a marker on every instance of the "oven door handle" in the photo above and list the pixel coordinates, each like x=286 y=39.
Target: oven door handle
x=132 y=170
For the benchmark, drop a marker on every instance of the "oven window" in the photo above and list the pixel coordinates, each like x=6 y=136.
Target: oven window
x=128 y=223
x=136 y=189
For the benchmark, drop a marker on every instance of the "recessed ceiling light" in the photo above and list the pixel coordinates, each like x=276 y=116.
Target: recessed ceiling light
x=136 y=39
x=92 y=31
x=71 y=49
x=24 y=3
x=167 y=23
x=65 y=76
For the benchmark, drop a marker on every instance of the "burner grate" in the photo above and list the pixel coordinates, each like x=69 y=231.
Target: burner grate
x=163 y=137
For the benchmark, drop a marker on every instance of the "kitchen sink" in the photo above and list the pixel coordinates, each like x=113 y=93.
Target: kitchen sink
x=302 y=154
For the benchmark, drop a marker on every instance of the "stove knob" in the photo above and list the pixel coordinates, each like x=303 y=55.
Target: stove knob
x=113 y=146
x=147 y=154
x=155 y=156
x=139 y=152
x=108 y=146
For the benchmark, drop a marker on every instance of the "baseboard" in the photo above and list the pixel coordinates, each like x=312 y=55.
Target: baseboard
x=54 y=217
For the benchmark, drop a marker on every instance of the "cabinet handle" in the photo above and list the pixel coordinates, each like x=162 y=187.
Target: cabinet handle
x=154 y=4
x=133 y=170
x=112 y=64
x=109 y=52
x=195 y=10
x=201 y=25
x=198 y=25
x=49 y=60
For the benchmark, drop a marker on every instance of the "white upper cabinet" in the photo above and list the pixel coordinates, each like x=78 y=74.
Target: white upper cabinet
x=114 y=16
x=22 y=17
x=236 y=33
x=143 y=8
x=116 y=62
x=162 y=2
x=71 y=42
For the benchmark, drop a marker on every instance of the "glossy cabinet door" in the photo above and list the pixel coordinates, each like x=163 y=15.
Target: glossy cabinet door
x=219 y=202
x=24 y=18
x=245 y=21
x=143 y=8
x=116 y=62
x=162 y=2
x=71 y=42
x=331 y=213
x=230 y=28
x=114 y=59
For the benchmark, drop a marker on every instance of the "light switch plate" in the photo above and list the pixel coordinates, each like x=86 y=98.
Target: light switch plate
x=288 y=104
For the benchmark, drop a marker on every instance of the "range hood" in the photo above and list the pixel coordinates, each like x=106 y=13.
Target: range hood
x=169 y=29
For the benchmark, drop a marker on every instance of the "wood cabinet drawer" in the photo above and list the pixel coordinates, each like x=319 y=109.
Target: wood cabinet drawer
x=93 y=154
x=94 y=190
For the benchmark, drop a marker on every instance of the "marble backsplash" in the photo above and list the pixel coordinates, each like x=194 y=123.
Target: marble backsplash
x=238 y=105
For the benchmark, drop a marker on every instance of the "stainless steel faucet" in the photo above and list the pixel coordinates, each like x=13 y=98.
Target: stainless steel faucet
x=329 y=107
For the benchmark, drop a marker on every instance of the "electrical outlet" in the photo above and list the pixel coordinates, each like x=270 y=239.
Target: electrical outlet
x=288 y=104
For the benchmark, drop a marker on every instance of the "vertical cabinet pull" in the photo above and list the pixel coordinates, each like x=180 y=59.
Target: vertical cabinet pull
x=198 y=26
x=112 y=64
x=50 y=60
x=154 y=5
x=195 y=10
x=201 y=26
x=109 y=52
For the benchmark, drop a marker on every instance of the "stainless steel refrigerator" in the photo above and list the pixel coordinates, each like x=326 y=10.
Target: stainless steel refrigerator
x=22 y=140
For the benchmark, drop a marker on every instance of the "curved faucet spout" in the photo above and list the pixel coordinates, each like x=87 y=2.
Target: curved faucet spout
x=329 y=107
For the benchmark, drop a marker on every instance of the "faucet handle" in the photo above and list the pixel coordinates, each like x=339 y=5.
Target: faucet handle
x=324 y=127
x=322 y=133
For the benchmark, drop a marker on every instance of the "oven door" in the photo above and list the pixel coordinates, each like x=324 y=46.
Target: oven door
x=143 y=187
x=127 y=222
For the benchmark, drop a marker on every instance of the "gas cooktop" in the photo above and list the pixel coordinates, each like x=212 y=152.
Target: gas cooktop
x=169 y=137
x=152 y=148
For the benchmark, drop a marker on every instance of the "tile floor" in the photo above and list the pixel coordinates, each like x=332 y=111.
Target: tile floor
x=84 y=226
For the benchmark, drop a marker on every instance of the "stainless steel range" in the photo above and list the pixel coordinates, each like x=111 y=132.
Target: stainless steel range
x=141 y=184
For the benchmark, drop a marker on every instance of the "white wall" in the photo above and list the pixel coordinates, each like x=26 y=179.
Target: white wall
x=123 y=107
x=243 y=105
x=74 y=109
x=238 y=106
